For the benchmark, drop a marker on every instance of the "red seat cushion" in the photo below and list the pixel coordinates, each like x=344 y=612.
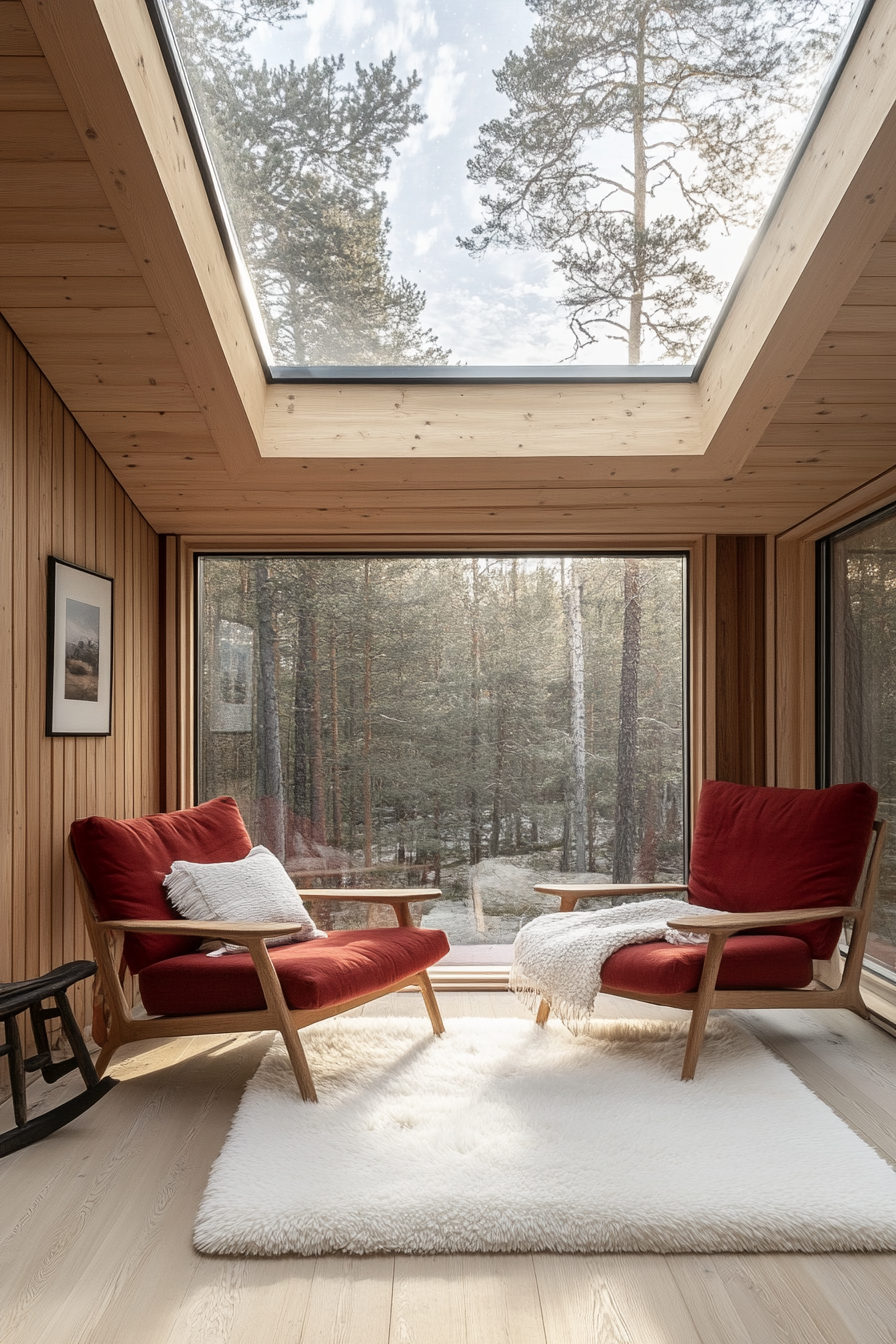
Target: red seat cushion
x=750 y=961
x=318 y=974
x=125 y=861
x=781 y=849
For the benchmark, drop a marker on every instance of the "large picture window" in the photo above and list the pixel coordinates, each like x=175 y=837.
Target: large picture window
x=860 y=699
x=475 y=723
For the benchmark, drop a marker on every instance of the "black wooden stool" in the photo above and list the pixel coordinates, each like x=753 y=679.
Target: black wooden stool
x=28 y=995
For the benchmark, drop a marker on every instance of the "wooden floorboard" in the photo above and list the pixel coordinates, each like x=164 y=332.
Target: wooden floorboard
x=95 y=1246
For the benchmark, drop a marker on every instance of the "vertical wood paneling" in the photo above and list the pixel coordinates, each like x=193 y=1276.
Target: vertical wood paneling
x=6 y=636
x=740 y=659
x=708 y=720
x=58 y=498
x=795 y=705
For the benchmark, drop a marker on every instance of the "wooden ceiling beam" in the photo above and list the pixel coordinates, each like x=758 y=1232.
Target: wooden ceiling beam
x=471 y=421
x=837 y=208
x=16 y=34
x=107 y=63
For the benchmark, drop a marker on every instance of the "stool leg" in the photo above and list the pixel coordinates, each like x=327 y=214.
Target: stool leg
x=39 y=1027
x=76 y=1040
x=16 y=1070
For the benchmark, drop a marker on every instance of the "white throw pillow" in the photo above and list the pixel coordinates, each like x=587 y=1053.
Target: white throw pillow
x=256 y=888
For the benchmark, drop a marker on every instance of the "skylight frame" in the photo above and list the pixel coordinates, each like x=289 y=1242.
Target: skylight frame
x=472 y=375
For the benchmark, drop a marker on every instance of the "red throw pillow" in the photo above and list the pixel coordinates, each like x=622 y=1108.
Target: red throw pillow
x=125 y=862
x=781 y=849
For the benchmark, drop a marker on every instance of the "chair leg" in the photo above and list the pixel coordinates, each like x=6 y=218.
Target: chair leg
x=297 y=1059
x=273 y=994
x=701 y=1009
x=432 y=1006
x=544 y=1012
x=105 y=1055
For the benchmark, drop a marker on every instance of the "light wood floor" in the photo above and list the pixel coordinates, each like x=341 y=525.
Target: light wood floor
x=96 y=1222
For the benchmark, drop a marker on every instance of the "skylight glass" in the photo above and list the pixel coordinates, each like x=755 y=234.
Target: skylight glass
x=454 y=186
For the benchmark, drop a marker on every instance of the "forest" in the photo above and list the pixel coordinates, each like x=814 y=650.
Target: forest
x=471 y=723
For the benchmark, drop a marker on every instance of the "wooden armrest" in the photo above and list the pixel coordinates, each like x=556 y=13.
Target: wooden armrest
x=608 y=888
x=571 y=894
x=379 y=896
x=760 y=919
x=232 y=931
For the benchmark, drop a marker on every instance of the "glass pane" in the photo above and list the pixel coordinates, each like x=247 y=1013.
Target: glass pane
x=475 y=724
x=520 y=182
x=863 y=694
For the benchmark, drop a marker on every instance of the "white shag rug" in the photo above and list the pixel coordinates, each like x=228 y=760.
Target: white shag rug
x=501 y=1136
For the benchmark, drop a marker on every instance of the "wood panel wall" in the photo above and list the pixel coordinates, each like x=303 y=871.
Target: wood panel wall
x=57 y=497
x=740 y=660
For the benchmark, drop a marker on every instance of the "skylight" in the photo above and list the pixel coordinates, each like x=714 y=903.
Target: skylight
x=452 y=188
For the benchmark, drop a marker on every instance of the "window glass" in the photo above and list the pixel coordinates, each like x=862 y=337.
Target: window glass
x=479 y=724
x=863 y=693
x=447 y=183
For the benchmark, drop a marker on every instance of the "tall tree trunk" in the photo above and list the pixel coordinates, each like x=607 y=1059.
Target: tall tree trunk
x=494 y=839
x=576 y=647
x=318 y=795
x=475 y=836
x=591 y=813
x=627 y=748
x=334 y=736
x=647 y=856
x=269 y=776
x=366 y=708
x=639 y=200
x=300 y=722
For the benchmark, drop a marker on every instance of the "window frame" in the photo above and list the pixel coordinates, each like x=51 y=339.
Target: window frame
x=691 y=555
x=824 y=648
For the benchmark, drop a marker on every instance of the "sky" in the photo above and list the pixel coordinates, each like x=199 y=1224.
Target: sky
x=500 y=308
x=82 y=621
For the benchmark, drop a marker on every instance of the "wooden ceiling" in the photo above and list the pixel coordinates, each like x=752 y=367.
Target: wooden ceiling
x=114 y=277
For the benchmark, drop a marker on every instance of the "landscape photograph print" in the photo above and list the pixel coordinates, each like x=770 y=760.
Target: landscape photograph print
x=82 y=650
x=79 y=651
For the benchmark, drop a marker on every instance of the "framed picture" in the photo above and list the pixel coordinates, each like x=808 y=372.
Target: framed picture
x=79 y=651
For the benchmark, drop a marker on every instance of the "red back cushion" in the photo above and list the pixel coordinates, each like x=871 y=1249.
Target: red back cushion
x=125 y=861
x=781 y=849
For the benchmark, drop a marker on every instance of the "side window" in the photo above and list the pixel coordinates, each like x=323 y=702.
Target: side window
x=860 y=574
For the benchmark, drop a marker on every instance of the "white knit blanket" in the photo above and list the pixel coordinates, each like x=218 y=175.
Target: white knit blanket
x=560 y=957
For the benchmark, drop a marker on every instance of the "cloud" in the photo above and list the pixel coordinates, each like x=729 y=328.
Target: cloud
x=328 y=18
x=443 y=85
x=424 y=240
x=412 y=29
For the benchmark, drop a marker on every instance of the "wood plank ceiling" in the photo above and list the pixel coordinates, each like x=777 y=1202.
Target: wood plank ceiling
x=86 y=306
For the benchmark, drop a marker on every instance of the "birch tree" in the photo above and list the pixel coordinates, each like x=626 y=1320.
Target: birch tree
x=627 y=747
x=576 y=647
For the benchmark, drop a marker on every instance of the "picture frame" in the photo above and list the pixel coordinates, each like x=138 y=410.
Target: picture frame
x=79 y=651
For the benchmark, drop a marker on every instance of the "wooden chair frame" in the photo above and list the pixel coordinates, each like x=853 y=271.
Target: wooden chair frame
x=720 y=928
x=115 y=1025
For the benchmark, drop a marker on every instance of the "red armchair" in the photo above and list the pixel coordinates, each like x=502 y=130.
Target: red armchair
x=119 y=867
x=785 y=864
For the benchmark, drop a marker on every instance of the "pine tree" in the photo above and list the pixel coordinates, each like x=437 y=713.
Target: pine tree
x=302 y=154
x=695 y=89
